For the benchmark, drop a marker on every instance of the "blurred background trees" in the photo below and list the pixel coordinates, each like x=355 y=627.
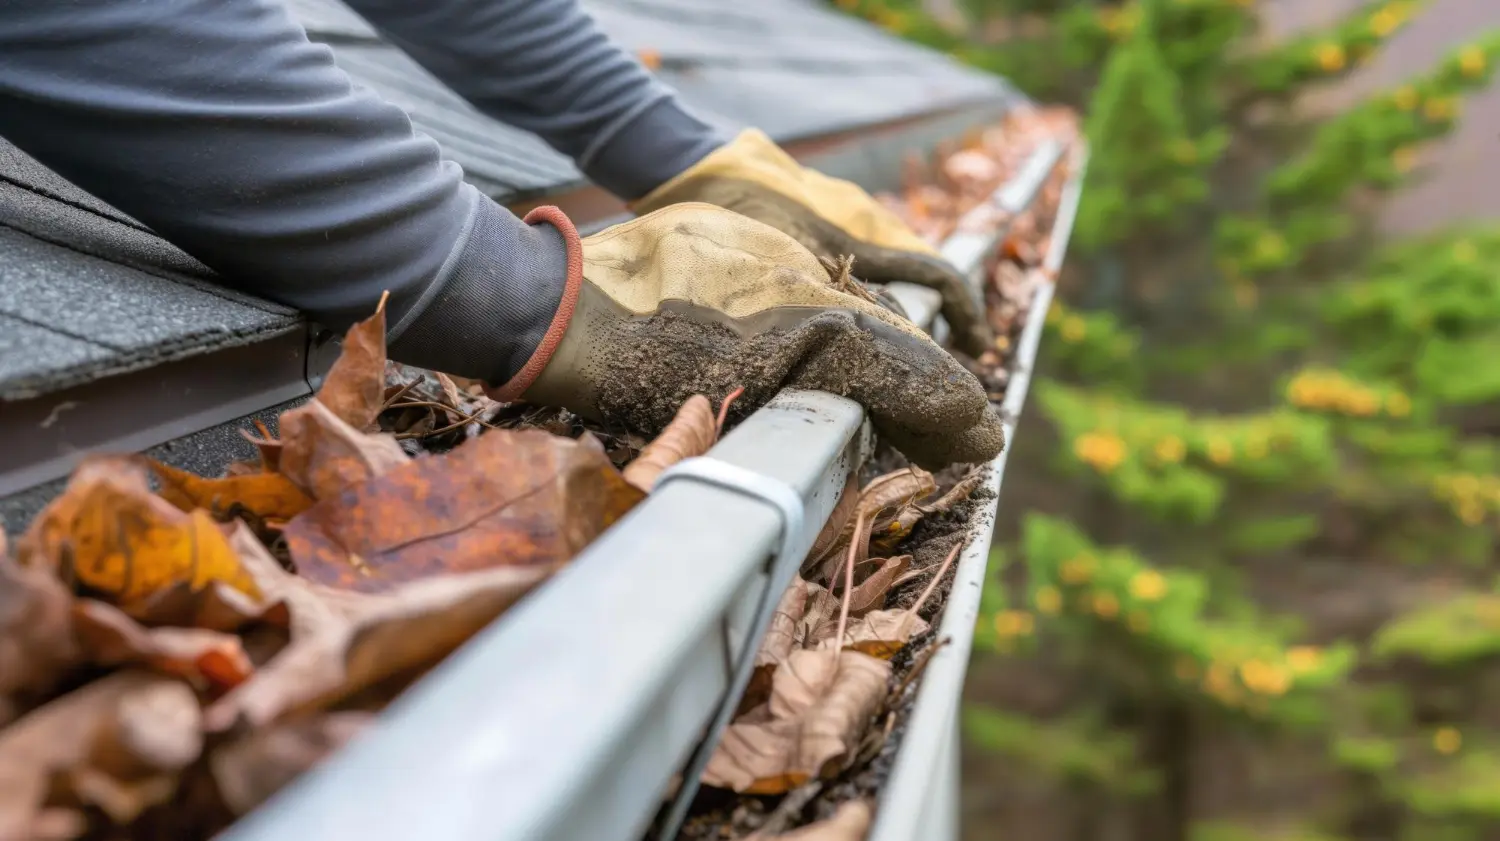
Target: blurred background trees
x=1250 y=587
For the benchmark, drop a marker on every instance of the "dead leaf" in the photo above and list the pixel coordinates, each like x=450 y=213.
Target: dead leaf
x=255 y=766
x=111 y=535
x=268 y=447
x=880 y=633
x=266 y=495
x=879 y=502
x=820 y=704
x=37 y=650
x=692 y=432
x=890 y=531
x=326 y=456
x=354 y=388
x=833 y=534
x=850 y=822
x=215 y=607
x=517 y=498
x=208 y=660
x=114 y=744
x=343 y=642
x=783 y=636
x=871 y=592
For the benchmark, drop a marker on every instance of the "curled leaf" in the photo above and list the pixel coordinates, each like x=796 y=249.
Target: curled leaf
x=37 y=651
x=872 y=591
x=833 y=534
x=354 y=388
x=266 y=495
x=784 y=635
x=692 y=432
x=821 y=702
x=518 y=498
x=208 y=660
x=325 y=456
x=343 y=642
x=113 y=745
x=111 y=535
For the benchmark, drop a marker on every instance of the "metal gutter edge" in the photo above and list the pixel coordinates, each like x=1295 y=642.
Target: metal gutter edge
x=914 y=806
x=568 y=718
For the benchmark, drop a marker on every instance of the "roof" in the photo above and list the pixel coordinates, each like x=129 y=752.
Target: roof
x=795 y=68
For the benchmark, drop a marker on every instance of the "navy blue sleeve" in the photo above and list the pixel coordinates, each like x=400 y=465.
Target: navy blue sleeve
x=546 y=67
x=218 y=124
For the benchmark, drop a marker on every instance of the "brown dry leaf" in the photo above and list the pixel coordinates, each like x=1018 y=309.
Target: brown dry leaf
x=326 y=456
x=871 y=592
x=692 y=432
x=820 y=704
x=784 y=635
x=248 y=770
x=822 y=608
x=512 y=497
x=354 y=389
x=268 y=447
x=880 y=633
x=216 y=607
x=111 y=535
x=850 y=822
x=889 y=532
x=826 y=544
x=116 y=744
x=37 y=650
x=208 y=660
x=266 y=495
x=878 y=503
x=343 y=642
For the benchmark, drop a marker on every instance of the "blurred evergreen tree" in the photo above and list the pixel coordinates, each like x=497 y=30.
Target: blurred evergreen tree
x=1281 y=461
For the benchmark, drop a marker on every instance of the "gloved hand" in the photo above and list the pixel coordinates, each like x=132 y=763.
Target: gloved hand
x=696 y=299
x=753 y=176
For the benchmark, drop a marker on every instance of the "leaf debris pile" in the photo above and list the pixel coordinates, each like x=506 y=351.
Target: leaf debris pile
x=169 y=659
x=817 y=731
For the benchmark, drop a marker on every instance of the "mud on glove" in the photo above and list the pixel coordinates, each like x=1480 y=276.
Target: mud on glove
x=697 y=299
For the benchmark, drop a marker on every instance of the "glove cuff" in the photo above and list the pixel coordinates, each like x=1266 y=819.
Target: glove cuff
x=517 y=385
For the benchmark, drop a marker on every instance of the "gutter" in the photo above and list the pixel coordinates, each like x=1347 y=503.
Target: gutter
x=570 y=716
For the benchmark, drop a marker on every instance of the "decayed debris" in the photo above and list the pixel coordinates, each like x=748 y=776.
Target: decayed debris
x=812 y=743
x=169 y=658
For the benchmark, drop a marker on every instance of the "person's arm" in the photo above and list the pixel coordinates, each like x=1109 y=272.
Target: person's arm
x=545 y=66
x=220 y=126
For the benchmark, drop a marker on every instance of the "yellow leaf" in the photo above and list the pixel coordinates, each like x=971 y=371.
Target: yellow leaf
x=111 y=536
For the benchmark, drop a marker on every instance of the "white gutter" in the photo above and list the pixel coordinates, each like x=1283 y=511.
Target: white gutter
x=568 y=718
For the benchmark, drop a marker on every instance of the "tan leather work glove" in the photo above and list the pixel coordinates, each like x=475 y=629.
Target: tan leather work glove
x=696 y=299
x=753 y=176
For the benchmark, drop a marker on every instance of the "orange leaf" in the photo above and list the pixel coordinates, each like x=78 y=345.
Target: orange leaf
x=505 y=498
x=691 y=433
x=354 y=389
x=266 y=495
x=324 y=455
x=112 y=536
x=344 y=642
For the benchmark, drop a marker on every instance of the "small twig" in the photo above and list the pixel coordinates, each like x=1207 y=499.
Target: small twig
x=724 y=411
x=932 y=585
x=861 y=527
x=790 y=806
x=380 y=307
x=468 y=419
x=400 y=393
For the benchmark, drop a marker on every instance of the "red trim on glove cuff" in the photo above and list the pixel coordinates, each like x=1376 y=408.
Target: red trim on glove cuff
x=523 y=379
